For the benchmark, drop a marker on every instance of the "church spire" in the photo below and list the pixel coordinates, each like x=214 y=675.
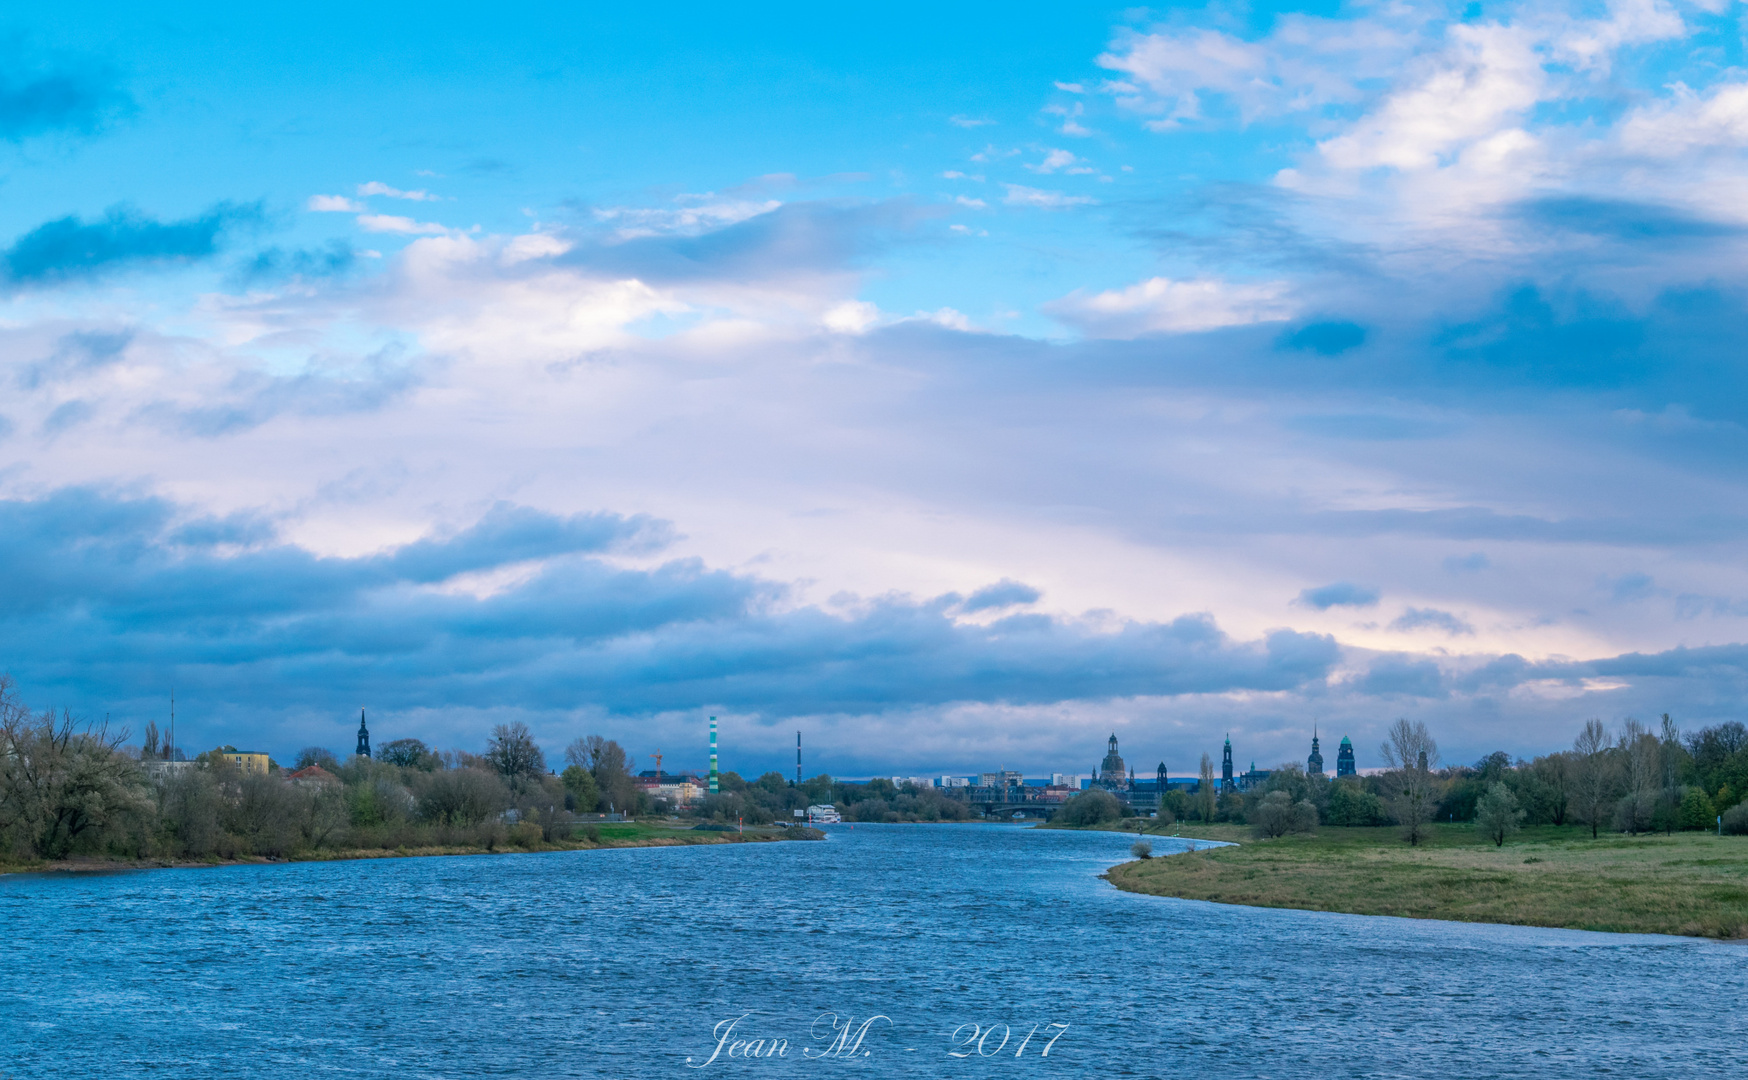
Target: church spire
x=363 y=735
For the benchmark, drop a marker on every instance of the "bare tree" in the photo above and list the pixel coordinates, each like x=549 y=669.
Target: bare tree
x=515 y=755
x=1557 y=771
x=1641 y=754
x=1412 y=755
x=1205 y=789
x=1593 y=780
x=60 y=780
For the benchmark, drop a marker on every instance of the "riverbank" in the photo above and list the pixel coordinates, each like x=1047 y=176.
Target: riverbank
x=1693 y=884
x=591 y=838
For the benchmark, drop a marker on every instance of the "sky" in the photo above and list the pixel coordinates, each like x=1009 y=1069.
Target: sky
x=955 y=387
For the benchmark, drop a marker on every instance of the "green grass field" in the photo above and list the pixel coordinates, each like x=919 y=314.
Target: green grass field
x=1688 y=883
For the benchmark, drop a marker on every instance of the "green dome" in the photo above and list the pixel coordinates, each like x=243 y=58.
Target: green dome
x=1345 y=742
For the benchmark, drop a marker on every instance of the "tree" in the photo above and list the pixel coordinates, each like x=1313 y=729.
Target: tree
x=1411 y=787
x=317 y=755
x=1277 y=815
x=408 y=754
x=461 y=796
x=579 y=785
x=60 y=780
x=514 y=754
x=1641 y=754
x=1205 y=789
x=1497 y=816
x=1094 y=806
x=1593 y=775
x=1697 y=811
x=1141 y=849
x=1555 y=771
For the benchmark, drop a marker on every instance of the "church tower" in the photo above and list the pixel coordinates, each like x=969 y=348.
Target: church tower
x=363 y=737
x=1226 y=765
x=1112 y=771
x=1314 y=763
x=1344 y=759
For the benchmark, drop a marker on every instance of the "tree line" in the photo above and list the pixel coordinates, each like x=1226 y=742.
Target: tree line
x=1637 y=779
x=71 y=788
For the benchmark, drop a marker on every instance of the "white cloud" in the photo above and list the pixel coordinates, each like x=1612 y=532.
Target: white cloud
x=1478 y=90
x=1070 y=87
x=1061 y=161
x=334 y=204
x=969 y=121
x=388 y=223
x=955 y=174
x=1020 y=195
x=851 y=317
x=376 y=187
x=975 y=204
x=1164 y=305
x=692 y=214
x=1071 y=124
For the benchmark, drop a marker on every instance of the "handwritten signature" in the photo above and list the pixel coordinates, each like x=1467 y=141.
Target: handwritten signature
x=844 y=1037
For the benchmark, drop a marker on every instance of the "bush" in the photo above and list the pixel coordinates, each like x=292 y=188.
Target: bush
x=525 y=834
x=1091 y=807
x=1736 y=820
x=1141 y=849
x=1634 y=812
x=1351 y=804
x=1278 y=815
x=1497 y=815
x=1696 y=810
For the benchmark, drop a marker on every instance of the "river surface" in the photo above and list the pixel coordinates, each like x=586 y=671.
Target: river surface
x=627 y=963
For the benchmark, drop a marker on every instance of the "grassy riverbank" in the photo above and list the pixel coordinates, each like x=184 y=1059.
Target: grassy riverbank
x=1688 y=883
x=616 y=835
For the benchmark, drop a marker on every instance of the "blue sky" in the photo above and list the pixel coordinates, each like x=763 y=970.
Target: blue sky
x=956 y=386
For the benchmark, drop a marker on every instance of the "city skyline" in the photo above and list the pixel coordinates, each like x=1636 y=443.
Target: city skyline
x=960 y=387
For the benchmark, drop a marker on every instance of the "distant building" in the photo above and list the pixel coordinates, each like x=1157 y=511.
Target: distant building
x=363 y=737
x=1226 y=764
x=312 y=776
x=954 y=781
x=250 y=762
x=1112 y=774
x=1066 y=780
x=1254 y=779
x=1314 y=763
x=1344 y=759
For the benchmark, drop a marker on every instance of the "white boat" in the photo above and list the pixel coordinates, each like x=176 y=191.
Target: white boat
x=824 y=815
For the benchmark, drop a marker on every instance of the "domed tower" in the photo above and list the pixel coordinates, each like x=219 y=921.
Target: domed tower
x=1226 y=765
x=1314 y=763
x=1113 y=772
x=1344 y=758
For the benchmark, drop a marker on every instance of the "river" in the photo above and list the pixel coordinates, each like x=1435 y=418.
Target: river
x=921 y=941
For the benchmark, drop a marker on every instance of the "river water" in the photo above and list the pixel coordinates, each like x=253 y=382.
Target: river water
x=919 y=941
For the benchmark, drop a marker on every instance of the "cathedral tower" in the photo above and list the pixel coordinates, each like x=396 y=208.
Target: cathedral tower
x=1314 y=763
x=1344 y=759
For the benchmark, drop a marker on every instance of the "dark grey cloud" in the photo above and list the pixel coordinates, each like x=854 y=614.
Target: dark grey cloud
x=70 y=249
x=1403 y=676
x=117 y=598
